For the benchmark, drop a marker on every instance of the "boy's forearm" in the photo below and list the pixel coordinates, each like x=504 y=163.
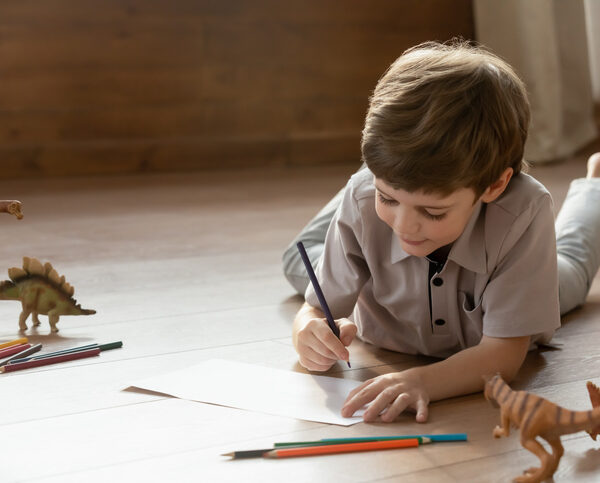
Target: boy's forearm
x=462 y=373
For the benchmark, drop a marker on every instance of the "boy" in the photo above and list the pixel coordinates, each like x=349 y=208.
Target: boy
x=442 y=246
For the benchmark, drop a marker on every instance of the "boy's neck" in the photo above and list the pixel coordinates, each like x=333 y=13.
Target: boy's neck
x=440 y=255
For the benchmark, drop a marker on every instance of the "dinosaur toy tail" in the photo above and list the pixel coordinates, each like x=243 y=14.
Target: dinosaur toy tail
x=87 y=312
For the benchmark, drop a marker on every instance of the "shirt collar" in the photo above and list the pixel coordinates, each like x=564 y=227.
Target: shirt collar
x=467 y=251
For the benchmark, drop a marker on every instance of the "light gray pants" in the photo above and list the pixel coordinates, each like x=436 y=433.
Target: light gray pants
x=577 y=241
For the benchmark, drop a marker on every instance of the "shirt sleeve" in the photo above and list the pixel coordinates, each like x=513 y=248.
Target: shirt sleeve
x=521 y=297
x=342 y=270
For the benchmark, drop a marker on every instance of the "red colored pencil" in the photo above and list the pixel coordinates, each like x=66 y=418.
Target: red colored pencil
x=341 y=448
x=50 y=360
x=13 y=349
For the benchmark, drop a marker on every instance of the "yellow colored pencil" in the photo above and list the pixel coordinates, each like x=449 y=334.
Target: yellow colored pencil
x=23 y=340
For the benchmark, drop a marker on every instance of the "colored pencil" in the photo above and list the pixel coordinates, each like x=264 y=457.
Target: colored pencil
x=427 y=438
x=13 y=349
x=50 y=360
x=102 y=347
x=22 y=340
x=252 y=453
x=257 y=453
x=28 y=350
x=319 y=293
x=341 y=448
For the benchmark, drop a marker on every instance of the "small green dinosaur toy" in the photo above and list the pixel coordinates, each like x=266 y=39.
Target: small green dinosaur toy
x=41 y=291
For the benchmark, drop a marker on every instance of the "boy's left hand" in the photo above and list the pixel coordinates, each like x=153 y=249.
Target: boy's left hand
x=390 y=394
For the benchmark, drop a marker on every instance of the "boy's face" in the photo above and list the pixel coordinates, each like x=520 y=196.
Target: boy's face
x=423 y=222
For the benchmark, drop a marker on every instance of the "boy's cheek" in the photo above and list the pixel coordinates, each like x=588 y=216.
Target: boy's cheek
x=383 y=215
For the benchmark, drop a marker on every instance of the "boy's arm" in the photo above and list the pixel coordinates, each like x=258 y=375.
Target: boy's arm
x=455 y=376
x=462 y=372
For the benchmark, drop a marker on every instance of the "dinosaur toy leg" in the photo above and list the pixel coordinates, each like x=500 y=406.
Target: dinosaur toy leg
x=504 y=429
x=22 y=318
x=534 y=475
x=36 y=320
x=53 y=319
x=557 y=452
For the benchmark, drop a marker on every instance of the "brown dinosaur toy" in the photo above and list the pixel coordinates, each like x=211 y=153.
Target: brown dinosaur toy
x=537 y=416
x=41 y=291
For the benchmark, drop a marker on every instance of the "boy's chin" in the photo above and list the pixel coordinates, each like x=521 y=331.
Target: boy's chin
x=421 y=250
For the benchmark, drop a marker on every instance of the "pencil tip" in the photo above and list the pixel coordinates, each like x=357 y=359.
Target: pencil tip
x=227 y=454
x=349 y=364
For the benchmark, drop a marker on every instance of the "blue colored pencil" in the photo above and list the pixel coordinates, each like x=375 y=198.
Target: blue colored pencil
x=315 y=283
x=435 y=438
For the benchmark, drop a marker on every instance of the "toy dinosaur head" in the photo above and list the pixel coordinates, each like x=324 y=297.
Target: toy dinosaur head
x=488 y=390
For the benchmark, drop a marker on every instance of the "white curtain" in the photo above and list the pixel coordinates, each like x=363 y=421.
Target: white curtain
x=546 y=42
x=592 y=17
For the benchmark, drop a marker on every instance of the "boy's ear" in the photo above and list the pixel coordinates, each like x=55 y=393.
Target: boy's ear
x=497 y=187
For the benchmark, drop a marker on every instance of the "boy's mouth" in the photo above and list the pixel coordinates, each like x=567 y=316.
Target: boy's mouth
x=411 y=242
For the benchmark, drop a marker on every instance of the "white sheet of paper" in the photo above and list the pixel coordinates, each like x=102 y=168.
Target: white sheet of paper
x=258 y=388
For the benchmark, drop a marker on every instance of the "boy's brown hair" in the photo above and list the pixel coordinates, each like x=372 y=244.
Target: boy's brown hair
x=444 y=117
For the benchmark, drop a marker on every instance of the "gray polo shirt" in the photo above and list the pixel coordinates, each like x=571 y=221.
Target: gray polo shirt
x=500 y=278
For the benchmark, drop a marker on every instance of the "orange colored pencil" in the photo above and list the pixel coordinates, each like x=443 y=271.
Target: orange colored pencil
x=23 y=340
x=341 y=448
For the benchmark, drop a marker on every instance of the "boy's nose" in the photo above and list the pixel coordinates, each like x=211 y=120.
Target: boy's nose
x=405 y=221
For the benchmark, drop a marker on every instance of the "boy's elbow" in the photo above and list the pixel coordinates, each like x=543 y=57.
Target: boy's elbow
x=510 y=353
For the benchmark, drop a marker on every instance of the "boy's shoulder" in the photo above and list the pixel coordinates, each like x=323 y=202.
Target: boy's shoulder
x=523 y=193
x=361 y=184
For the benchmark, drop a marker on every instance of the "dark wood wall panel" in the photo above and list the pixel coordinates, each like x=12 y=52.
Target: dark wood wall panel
x=106 y=86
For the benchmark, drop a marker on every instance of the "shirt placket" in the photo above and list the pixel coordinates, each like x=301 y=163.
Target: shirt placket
x=439 y=307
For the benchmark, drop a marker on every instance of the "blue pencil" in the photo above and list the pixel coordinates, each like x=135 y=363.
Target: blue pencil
x=315 y=283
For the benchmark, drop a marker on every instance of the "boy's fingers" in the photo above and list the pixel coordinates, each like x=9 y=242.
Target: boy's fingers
x=347 y=332
x=383 y=404
x=313 y=361
x=398 y=405
x=364 y=395
x=314 y=337
x=422 y=411
x=334 y=344
x=319 y=359
x=358 y=389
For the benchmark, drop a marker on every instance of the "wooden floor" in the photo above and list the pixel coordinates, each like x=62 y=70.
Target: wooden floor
x=186 y=267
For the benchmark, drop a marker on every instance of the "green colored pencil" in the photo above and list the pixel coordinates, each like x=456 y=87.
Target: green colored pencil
x=423 y=439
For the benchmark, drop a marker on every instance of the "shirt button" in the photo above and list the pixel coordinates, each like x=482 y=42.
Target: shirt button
x=439 y=322
x=438 y=282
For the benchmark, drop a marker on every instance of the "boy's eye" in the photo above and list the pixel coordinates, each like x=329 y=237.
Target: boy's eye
x=386 y=201
x=431 y=216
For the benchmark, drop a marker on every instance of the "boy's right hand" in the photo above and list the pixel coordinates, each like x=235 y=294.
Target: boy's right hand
x=317 y=345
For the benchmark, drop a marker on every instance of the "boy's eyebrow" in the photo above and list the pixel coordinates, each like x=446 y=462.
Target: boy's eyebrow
x=441 y=207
